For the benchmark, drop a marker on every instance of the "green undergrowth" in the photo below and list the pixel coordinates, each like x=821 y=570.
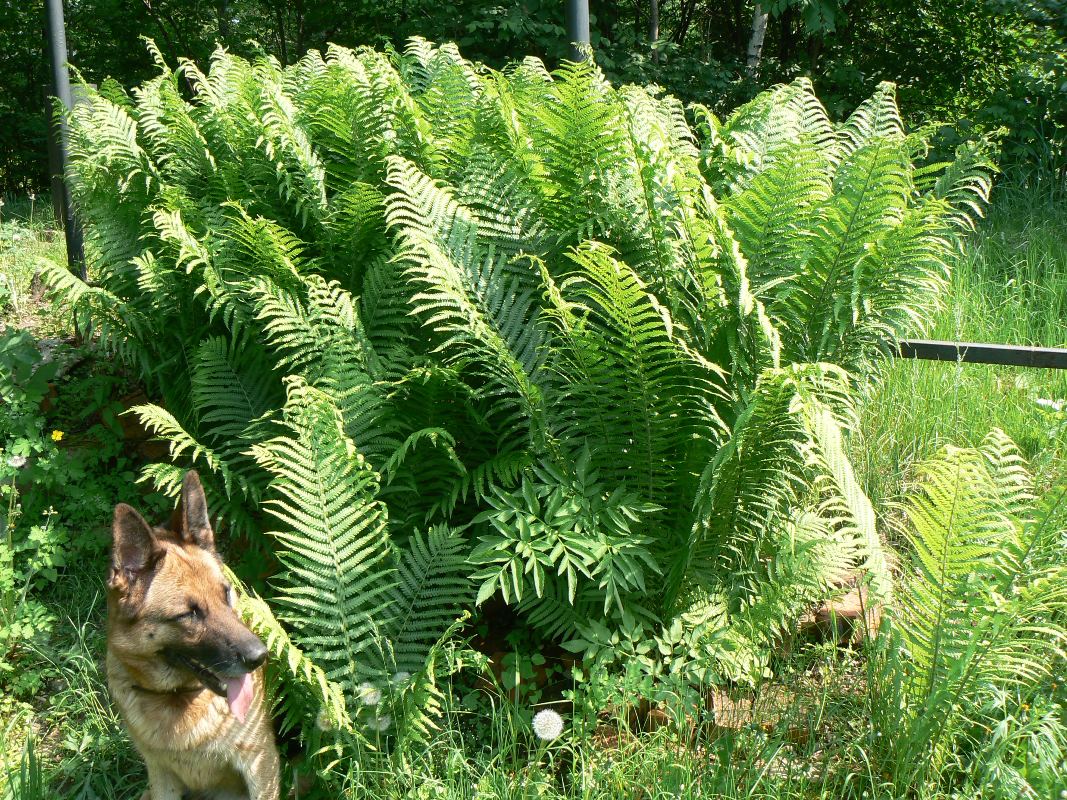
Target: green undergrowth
x=815 y=740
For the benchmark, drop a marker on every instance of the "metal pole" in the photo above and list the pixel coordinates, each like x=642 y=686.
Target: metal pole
x=57 y=51
x=578 y=27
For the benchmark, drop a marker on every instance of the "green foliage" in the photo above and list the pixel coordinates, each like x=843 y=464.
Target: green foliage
x=405 y=304
x=994 y=64
x=40 y=534
x=963 y=684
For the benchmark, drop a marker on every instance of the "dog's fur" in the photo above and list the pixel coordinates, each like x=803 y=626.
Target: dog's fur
x=174 y=645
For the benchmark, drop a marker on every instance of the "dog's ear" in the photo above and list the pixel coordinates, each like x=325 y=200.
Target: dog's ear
x=134 y=548
x=190 y=520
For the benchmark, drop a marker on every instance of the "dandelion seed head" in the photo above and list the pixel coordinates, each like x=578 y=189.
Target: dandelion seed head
x=380 y=724
x=323 y=721
x=547 y=724
x=402 y=677
x=18 y=462
x=369 y=695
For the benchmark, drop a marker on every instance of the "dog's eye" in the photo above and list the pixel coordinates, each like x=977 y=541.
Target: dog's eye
x=194 y=612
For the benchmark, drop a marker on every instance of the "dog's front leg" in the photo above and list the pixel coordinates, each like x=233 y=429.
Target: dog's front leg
x=162 y=784
x=262 y=775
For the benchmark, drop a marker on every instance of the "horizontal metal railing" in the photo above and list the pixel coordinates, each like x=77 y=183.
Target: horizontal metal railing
x=976 y=353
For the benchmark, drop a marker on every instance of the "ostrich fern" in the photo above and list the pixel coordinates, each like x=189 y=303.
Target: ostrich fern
x=980 y=625
x=521 y=330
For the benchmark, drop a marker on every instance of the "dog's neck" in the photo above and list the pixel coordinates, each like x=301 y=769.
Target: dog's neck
x=144 y=679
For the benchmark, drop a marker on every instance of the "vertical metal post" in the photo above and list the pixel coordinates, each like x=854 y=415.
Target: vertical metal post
x=578 y=27
x=57 y=51
x=653 y=28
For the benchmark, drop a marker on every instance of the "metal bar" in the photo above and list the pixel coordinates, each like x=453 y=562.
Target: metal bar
x=973 y=353
x=57 y=51
x=578 y=27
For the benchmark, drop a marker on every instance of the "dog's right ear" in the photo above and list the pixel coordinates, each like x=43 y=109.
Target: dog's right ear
x=133 y=547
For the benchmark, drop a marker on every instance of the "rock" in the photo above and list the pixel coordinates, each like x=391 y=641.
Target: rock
x=845 y=620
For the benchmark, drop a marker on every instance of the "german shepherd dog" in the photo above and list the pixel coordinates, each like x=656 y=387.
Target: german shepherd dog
x=183 y=670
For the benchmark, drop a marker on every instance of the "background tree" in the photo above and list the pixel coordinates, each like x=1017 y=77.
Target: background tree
x=991 y=62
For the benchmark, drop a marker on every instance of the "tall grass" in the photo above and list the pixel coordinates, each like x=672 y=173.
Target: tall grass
x=1009 y=286
x=28 y=234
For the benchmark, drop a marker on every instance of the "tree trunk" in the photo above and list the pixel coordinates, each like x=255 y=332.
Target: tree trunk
x=684 y=18
x=755 y=43
x=283 y=49
x=653 y=28
x=223 y=9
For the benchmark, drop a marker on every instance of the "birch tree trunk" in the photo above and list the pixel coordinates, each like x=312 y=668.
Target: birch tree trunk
x=755 y=44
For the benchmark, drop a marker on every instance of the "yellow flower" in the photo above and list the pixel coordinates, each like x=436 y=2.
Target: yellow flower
x=57 y=435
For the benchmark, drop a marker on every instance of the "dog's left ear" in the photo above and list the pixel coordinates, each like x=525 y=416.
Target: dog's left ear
x=190 y=520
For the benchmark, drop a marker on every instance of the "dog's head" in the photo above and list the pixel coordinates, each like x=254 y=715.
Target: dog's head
x=171 y=608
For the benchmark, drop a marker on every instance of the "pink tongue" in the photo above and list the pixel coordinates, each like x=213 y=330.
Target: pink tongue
x=239 y=695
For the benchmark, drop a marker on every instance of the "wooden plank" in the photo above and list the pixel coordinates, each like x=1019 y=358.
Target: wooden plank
x=976 y=353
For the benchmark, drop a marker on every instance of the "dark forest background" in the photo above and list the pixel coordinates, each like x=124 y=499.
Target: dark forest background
x=991 y=66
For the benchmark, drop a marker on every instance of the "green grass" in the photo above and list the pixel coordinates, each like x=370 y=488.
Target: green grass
x=28 y=234
x=1009 y=286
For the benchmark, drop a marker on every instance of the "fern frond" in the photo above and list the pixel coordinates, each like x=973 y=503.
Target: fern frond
x=295 y=675
x=627 y=383
x=975 y=616
x=877 y=118
x=432 y=587
x=161 y=422
x=470 y=294
x=335 y=546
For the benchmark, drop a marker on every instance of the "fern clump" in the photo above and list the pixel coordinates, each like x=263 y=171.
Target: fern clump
x=977 y=640
x=465 y=333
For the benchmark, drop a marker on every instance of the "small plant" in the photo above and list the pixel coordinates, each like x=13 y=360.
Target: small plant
x=54 y=501
x=961 y=679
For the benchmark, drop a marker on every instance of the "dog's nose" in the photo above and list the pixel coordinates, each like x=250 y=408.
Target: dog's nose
x=254 y=656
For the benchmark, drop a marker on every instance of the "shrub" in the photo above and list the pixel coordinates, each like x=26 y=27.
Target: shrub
x=465 y=334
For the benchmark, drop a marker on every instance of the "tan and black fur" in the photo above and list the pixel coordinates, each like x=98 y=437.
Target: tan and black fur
x=174 y=643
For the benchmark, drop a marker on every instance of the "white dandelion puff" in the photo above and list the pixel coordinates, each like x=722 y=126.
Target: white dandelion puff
x=380 y=724
x=402 y=677
x=369 y=695
x=547 y=724
x=323 y=721
x=18 y=462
